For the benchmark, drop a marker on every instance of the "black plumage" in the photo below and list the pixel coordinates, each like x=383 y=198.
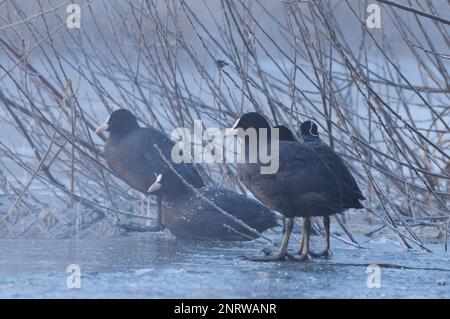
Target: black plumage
x=284 y=133
x=188 y=215
x=130 y=153
x=303 y=186
x=351 y=193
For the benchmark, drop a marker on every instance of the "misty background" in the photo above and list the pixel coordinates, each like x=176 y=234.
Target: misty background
x=380 y=97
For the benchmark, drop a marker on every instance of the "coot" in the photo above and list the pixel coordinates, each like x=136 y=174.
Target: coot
x=130 y=153
x=188 y=215
x=284 y=133
x=303 y=186
x=351 y=193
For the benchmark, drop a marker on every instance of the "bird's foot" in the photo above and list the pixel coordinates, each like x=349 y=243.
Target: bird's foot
x=268 y=257
x=155 y=228
x=300 y=257
x=139 y=228
x=326 y=253
x=267 y=251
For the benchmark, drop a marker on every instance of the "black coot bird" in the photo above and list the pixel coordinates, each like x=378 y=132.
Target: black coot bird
x=188 y=215
x=351 y=194
x=130 y=153
x=303 y=186
x=284 y=133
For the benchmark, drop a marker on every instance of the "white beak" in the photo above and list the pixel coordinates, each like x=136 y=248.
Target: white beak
x=103 y=127
x=231 y=132
x=156 y=185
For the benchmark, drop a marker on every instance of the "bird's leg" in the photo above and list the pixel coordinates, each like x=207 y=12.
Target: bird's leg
x=159 y=220
x=283 y=249
x=302 y=243
x=305 y=254
x=327 y=251
x=283 y=230
x=159 y=225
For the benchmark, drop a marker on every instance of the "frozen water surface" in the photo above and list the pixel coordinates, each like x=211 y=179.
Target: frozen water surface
x=157 y=266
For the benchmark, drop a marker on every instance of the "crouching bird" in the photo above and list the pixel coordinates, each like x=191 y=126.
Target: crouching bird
x=187 y=214
x=303 y=185
x=131 y=154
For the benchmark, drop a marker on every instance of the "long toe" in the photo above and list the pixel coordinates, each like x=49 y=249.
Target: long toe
x=156 y=228
x=271 y=258
x=323 y=254
x=302 y=257
x=267 y=251
x=327 y=253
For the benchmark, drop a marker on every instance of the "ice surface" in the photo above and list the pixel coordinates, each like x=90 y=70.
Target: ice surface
x=158 y=266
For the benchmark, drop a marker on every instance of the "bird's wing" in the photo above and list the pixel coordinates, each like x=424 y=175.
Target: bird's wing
x=165 y=145
x=304 y=172
x=339 y=168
